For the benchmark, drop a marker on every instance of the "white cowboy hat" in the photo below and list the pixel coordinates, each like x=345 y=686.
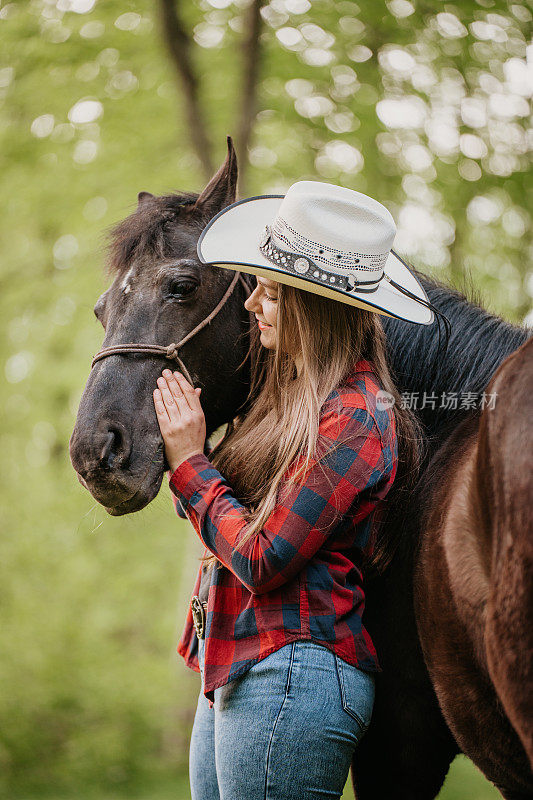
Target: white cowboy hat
x=323 y=238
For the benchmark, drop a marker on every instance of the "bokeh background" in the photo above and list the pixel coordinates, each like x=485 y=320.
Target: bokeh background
x=423 y=105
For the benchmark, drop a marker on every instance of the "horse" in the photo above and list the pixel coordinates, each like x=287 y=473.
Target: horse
x=161 y=293
x=473 y=579
x=464 y=573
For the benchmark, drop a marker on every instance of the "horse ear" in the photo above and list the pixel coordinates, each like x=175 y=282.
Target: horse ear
x=221 y=189
x=143 y=197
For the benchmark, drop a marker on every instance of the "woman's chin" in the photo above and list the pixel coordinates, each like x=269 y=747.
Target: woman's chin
x=267 y=333
x=268 y=342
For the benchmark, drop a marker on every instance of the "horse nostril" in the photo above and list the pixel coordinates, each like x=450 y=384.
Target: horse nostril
x=107 y=453
x=116 y=448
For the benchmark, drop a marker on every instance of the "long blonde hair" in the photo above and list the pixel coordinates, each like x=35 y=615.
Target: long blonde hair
x=282 y=419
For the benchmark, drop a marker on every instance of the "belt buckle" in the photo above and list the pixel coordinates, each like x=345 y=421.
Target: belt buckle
x=198 y=616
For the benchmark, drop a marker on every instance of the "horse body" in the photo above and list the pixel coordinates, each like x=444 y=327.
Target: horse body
x=473 y=581
x=410 y=744
x=116 y=449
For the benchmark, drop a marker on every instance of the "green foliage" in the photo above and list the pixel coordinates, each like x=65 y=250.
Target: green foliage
x=93 y=697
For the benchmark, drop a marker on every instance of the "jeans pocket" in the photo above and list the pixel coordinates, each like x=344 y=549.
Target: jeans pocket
x=357 y=692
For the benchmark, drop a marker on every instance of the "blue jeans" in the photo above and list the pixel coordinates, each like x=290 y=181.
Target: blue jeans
x=285 y=729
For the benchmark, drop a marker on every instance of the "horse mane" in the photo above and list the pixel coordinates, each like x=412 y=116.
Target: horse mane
x=149 y=231
x=479 y=341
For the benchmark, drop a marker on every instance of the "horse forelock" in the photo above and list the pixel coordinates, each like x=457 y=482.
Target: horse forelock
x=149 y=231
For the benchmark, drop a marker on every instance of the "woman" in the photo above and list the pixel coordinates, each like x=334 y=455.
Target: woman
x=288 y=502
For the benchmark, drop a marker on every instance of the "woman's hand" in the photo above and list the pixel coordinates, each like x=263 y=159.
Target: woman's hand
x=180 y=417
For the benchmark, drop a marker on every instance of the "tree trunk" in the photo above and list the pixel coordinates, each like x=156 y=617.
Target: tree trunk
x=251 y=65
x=178 y=43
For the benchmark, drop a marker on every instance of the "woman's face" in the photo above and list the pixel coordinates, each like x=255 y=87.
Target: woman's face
x=263 y=302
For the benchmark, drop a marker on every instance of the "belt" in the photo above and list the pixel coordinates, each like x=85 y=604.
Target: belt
x=199 y=611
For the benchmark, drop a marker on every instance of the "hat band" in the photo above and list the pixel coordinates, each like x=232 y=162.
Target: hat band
x=305 y=267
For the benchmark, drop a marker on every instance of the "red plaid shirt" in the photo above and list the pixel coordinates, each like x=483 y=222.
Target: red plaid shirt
x=300 y=576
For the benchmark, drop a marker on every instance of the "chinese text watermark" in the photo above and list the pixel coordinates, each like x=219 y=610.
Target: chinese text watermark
x=451 y=401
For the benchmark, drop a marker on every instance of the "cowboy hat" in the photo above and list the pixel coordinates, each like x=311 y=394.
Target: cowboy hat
x=322 y=238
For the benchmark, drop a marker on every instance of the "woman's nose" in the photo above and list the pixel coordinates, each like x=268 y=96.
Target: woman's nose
x=250 y=301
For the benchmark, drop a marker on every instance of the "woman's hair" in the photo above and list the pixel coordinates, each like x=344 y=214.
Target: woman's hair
x=281 y=423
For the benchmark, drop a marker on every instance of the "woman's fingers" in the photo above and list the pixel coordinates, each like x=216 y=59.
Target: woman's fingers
x=177 y=392
x=191 y=394
x=177 y=395
x=168 y=398
x=186 y=397
x=160 y=408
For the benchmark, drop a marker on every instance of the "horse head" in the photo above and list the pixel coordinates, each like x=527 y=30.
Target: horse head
x=159 y=294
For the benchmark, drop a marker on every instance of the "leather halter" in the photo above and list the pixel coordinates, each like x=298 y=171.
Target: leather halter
x=170 y=351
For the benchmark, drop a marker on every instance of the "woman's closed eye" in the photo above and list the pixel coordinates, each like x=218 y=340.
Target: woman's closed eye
x=268 y=296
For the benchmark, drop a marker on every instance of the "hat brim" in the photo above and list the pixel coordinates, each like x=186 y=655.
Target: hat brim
x=231 y=240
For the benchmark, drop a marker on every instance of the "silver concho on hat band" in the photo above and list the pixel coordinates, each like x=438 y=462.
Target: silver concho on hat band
x=301 y=265
x=293 y=262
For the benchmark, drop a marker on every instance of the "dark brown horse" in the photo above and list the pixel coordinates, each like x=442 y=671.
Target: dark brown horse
x=160 y=292
x=473 y=581
x=473 y=593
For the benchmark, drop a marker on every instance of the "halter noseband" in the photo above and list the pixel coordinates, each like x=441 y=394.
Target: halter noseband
x=170 y=351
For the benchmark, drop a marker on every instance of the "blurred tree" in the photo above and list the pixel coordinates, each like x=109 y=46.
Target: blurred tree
x=426 y=109
x=179 y=46
x=251 y=69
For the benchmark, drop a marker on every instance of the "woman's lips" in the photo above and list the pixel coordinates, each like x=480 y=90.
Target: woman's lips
x=262 y=325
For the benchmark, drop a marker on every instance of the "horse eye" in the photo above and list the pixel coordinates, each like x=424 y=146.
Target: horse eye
x=181 y=288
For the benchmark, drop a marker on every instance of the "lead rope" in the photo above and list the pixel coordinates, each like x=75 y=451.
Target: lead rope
x=170 y=351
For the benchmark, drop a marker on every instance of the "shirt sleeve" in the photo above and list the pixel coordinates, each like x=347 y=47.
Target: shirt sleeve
x=180 y=511
x=305 y=515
